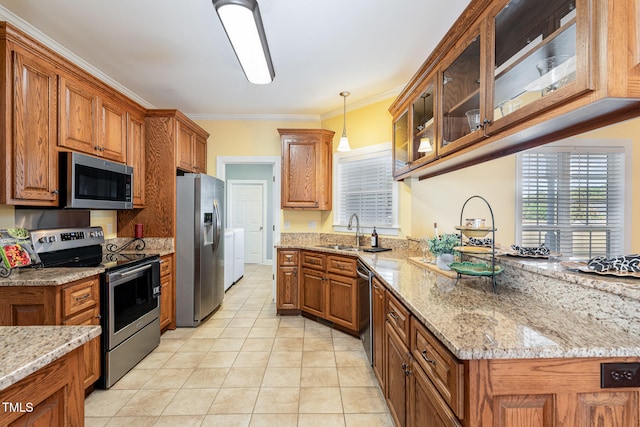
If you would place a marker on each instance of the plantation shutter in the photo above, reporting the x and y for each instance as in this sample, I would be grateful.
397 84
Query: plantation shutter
365 187
573 200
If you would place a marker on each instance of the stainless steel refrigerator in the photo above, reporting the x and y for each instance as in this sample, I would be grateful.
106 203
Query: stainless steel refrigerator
199 247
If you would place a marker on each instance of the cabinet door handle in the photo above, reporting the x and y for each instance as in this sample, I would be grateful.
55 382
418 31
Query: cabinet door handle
82 297
393 315
424 356
55 192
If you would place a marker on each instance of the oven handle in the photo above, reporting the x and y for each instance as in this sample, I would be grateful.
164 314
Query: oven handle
135 270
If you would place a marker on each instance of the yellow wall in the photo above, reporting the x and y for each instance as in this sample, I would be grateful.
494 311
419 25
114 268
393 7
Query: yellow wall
440 199
256 138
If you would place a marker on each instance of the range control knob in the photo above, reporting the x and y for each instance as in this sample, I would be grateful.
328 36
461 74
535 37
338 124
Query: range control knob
43 239
52 239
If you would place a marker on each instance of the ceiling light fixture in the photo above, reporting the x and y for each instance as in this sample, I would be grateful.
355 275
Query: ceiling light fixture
242 23
344 141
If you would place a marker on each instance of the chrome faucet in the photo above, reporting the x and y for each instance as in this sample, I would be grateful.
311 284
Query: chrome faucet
357 228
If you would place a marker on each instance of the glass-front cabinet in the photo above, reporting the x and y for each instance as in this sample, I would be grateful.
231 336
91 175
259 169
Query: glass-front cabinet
516 73
462 114
401 142
424 126
540 56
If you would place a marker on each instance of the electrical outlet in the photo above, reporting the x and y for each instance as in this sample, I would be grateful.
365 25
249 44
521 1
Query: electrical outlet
287 225
614 375
311 224
109 230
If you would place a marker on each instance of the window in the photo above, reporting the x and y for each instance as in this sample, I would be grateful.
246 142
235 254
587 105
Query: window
572 199
364 185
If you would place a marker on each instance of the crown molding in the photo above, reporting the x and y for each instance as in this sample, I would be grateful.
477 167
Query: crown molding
257 117
363 103
21 24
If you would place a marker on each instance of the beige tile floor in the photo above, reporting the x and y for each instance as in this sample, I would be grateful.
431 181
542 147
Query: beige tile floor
245 366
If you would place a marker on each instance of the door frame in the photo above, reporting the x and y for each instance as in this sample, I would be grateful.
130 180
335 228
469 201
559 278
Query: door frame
263 184
276 163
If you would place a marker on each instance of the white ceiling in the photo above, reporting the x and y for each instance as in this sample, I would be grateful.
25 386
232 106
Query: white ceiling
175 54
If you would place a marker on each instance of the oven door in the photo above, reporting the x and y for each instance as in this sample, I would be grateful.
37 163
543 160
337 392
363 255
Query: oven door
132 296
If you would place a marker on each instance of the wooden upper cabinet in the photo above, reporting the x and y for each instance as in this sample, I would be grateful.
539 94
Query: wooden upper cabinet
32 177
200 162
191 150
136 156
113 131
186 147
511 75
91 123
306 168
78 116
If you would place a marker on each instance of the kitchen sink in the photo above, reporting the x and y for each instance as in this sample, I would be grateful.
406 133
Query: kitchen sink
340 247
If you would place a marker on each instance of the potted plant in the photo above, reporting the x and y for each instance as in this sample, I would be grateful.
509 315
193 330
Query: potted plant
442 248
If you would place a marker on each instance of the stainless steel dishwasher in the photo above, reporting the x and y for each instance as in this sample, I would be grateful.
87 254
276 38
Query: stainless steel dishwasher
366 328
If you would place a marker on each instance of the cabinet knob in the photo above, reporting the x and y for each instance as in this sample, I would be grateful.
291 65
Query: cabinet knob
55 192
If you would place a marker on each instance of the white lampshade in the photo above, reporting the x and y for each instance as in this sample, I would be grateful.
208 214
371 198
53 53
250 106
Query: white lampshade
425 145
344 141
344 144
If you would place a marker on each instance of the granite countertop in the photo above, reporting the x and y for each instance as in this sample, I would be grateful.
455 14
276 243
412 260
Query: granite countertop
475 323
25 349
61 275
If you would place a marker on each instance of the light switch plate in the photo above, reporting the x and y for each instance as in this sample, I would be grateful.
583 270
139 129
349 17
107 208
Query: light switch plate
311 224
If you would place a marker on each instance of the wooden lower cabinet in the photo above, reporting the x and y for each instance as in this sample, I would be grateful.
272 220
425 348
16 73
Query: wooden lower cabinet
342 301
425 385
51 396
288 298
75 303
167 294
92 348
426 408
378 315
548 393
326 286
397 376
288 295
312 292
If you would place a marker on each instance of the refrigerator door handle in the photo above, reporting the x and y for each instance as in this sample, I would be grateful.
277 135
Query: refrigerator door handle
218 225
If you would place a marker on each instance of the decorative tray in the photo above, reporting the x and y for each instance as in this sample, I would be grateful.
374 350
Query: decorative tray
474 249
475 269
511 252
582 266
474 231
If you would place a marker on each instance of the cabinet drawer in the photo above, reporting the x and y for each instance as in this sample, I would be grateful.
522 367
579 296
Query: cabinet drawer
443 368
288 258
314 260
165 265
398 317
79 296
88 317
344 266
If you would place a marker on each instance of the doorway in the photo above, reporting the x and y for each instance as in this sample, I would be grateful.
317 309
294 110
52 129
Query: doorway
257 168
247 209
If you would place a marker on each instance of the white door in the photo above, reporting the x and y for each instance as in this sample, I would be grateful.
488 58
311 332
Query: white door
247 212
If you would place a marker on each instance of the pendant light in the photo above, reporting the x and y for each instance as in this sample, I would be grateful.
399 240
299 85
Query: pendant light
243 24
425 142
344 141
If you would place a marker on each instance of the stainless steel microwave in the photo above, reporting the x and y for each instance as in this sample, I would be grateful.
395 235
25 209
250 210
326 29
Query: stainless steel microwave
94 183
